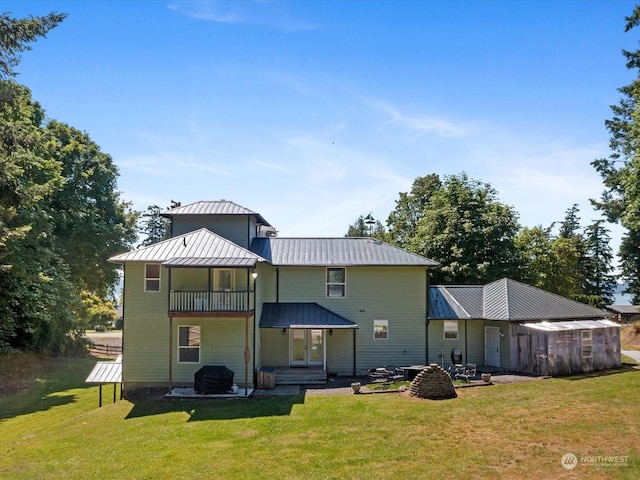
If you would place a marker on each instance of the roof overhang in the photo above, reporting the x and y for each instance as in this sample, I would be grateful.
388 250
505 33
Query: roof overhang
302 315
570 325
210 262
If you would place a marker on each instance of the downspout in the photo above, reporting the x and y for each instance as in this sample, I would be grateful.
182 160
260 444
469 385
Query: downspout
170 354
277 284
170 333
426 328
255 328
354 352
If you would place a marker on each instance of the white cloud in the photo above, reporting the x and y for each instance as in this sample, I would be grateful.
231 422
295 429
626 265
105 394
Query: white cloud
418 124
265 14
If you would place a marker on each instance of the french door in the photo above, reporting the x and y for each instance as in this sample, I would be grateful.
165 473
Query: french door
306 347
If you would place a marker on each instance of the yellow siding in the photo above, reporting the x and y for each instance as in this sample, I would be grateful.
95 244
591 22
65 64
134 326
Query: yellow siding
146 333
396 294
146 329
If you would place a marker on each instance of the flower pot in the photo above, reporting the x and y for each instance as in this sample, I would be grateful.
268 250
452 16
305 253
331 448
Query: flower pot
356 387
486 377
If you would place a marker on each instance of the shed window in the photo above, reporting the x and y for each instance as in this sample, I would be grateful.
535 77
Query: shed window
587 343
188 344
381 329
152 277
450 330
336 282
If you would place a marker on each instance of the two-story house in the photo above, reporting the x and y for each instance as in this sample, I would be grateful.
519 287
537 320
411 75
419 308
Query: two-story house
223 291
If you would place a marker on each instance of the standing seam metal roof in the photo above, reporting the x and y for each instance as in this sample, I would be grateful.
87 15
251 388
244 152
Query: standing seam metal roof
200 246
217 207
342 251
508 300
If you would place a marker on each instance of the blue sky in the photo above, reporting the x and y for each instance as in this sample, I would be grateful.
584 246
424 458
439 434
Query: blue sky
313 113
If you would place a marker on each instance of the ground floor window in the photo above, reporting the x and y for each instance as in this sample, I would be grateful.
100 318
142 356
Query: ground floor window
450 329
586 343
381 329
188 344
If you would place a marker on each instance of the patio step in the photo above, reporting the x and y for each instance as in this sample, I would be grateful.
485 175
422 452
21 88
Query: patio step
300 376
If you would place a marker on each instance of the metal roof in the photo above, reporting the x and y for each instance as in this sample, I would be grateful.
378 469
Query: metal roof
301 315
444 305
217 207
505 299
199 248
343 251
106 372
573 325
624 309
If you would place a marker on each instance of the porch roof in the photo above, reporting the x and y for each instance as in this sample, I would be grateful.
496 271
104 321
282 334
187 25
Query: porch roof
301 315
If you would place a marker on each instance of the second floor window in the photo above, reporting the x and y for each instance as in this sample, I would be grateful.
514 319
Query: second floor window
152 277
336 282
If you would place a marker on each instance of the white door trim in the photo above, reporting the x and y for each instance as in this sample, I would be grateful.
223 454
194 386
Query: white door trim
492 346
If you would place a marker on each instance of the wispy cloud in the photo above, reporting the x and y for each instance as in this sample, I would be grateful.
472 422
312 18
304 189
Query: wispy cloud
272 15
421 124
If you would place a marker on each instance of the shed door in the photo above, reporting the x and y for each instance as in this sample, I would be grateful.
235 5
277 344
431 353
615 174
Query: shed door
492 346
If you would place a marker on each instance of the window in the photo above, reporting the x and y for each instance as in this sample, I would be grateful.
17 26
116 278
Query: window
381 329
188 344
152 277
450 330
336 283
586 343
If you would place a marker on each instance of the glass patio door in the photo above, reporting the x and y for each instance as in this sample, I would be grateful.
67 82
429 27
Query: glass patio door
307 347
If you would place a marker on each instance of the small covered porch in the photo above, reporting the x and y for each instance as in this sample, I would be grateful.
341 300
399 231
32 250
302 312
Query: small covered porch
305 342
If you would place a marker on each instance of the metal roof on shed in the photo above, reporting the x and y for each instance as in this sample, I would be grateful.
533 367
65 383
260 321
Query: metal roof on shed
505 299
215 207
343 251
301 315
571 325
199 248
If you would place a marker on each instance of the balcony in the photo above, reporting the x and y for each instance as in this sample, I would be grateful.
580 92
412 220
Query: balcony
207 303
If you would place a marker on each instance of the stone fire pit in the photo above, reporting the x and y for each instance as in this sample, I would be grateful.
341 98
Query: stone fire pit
433 383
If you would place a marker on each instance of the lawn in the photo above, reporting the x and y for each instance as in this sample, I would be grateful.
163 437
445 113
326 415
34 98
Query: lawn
51 428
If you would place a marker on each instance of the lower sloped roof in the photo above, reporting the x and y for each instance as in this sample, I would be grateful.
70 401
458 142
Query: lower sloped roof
505 299
301 315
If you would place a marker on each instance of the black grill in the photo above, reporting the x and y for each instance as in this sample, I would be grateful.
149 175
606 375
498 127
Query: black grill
213 379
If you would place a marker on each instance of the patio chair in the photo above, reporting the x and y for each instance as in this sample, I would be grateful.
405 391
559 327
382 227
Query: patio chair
379 376
394 373
467 372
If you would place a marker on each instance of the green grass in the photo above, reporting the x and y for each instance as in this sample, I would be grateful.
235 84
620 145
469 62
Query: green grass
53 429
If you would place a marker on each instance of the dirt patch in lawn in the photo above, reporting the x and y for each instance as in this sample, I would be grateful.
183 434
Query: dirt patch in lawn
19 370
630 338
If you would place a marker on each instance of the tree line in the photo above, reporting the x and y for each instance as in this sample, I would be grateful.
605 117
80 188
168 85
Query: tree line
61 216
461 223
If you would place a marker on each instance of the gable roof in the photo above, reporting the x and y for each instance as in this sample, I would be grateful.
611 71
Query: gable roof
214 207
342 251
301 315
198 248
505 299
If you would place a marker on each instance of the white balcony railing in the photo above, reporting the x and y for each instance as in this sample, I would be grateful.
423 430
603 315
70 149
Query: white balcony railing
228 301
